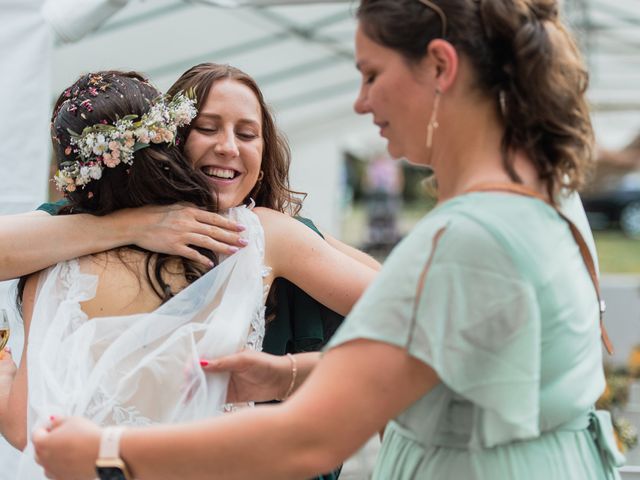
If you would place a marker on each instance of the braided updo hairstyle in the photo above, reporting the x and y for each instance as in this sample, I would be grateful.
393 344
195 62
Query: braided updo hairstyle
523 57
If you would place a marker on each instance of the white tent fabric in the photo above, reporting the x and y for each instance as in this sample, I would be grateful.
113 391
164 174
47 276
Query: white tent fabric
25 58
25 86
73 19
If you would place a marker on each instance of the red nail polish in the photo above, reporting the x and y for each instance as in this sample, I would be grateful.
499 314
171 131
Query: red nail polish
204 363
52 418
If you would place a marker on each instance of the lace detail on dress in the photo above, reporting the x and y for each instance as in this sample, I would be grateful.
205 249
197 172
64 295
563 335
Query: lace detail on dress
76 287
69 271
255 231
129 416
117 414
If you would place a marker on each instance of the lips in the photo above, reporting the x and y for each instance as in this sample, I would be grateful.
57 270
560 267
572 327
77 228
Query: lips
381 125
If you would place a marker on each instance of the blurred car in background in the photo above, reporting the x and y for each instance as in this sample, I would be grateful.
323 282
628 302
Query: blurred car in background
616 205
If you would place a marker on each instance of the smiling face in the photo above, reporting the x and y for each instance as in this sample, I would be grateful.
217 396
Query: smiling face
226 143
394 93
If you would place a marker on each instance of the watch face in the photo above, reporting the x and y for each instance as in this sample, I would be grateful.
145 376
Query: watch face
111 473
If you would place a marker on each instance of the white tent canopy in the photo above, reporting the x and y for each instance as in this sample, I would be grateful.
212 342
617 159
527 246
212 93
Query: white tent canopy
302 56
301 53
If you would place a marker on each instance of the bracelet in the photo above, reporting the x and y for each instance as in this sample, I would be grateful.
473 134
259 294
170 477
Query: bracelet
294 374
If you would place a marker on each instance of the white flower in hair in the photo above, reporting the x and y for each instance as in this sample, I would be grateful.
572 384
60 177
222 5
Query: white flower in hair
100 146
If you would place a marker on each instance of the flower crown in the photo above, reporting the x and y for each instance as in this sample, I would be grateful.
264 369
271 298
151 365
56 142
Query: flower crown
106 146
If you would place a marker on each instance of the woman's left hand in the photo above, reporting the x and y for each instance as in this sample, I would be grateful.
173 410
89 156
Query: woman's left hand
68 449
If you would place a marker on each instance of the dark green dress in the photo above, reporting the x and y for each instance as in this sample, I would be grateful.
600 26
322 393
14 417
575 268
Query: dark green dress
298 322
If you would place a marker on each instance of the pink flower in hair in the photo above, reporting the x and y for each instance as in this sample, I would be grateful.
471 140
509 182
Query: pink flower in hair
110 161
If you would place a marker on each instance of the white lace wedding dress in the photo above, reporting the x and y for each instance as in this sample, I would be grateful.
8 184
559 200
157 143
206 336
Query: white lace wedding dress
141 369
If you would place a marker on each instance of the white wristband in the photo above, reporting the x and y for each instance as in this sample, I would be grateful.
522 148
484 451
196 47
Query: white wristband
110 442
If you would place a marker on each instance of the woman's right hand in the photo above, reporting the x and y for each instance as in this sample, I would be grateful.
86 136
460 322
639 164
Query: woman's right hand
176 229
255 376
8 371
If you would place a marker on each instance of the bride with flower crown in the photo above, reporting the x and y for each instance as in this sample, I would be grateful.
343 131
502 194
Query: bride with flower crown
118 336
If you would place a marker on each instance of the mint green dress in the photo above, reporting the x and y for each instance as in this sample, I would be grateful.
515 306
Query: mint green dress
508 318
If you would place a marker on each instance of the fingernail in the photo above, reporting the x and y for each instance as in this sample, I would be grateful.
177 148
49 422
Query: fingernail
52 418
241 228
243 241
233 249
211 264
204 363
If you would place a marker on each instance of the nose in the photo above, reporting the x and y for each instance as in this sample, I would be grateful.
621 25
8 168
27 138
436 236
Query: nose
361 105
226 145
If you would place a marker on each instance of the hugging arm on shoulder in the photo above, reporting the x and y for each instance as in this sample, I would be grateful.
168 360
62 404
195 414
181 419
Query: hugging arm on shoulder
32 241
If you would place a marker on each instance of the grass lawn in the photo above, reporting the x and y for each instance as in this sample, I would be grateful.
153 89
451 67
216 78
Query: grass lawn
617 253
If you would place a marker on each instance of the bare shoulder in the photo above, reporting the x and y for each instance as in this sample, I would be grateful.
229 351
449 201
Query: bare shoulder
276 224
269 215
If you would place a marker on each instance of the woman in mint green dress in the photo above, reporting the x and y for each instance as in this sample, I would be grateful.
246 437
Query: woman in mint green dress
478 345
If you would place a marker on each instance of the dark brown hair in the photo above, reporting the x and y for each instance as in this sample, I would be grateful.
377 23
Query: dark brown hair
522 53
159 174
273 190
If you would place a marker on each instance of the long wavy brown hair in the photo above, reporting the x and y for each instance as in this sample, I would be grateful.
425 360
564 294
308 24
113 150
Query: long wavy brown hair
524 58
273 190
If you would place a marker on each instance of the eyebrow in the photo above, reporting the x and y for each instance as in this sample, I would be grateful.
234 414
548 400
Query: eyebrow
215 116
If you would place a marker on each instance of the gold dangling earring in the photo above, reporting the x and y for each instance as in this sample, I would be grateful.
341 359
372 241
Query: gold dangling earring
433 123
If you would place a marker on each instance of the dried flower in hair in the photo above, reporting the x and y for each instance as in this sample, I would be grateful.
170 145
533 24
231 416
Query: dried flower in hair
86 104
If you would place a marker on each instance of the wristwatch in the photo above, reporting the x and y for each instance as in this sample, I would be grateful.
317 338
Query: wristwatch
109 465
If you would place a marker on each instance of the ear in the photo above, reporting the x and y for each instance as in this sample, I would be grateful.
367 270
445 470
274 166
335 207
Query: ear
443 57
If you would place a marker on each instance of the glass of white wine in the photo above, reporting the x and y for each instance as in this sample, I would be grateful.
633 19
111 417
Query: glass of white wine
4 329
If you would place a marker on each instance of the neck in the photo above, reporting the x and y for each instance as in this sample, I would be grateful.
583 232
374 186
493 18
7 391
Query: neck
468 153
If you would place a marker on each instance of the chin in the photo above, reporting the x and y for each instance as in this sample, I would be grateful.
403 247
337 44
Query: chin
421 157
394 150
225 204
